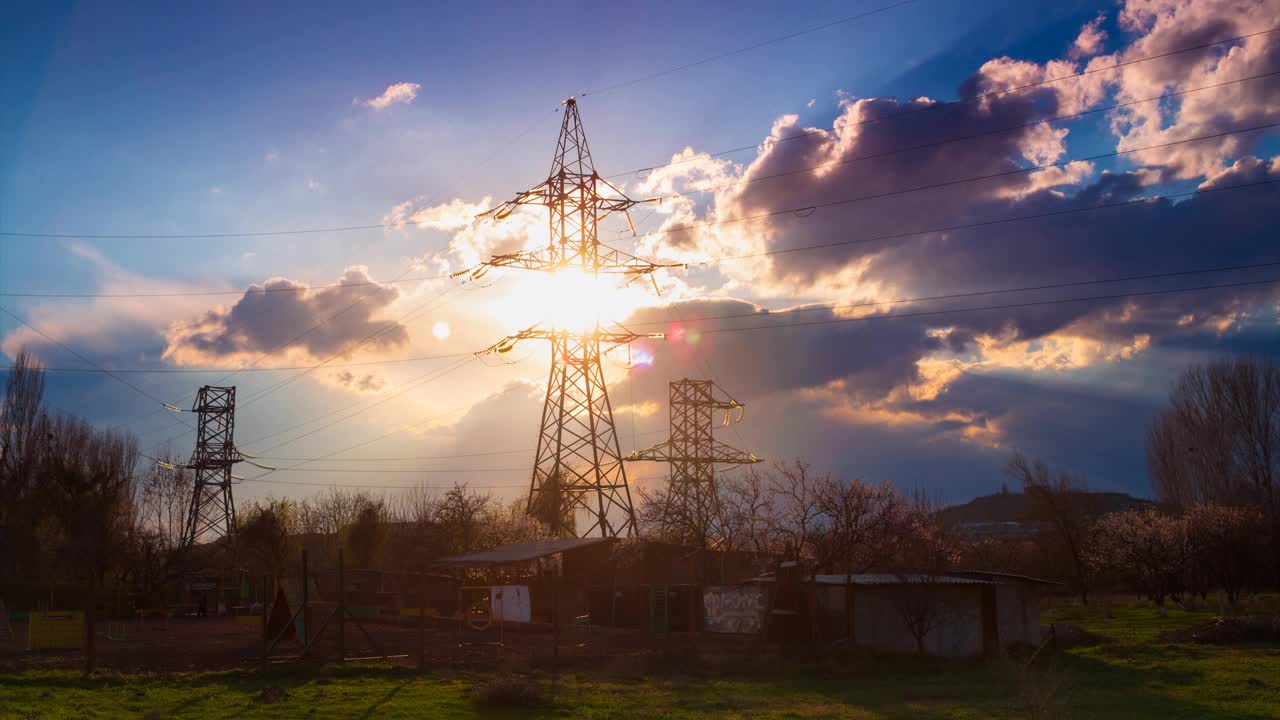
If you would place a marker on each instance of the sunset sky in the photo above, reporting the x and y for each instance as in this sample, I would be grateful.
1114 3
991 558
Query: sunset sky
917 175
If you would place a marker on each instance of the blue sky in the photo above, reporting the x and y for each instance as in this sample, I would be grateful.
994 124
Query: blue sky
242 118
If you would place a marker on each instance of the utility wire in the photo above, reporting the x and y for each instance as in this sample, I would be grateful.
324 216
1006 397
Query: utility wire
699 190
383 401
744 49
417 487
767 143
261 356
281 368
111 374
962 101
1133 202
976 293
949 183
1036 303
413 314
963 138
489 453
216 293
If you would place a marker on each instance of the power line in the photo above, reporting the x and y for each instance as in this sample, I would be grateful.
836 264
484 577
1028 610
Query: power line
469 486
216 293
976 293
412 386
767 143
700 190
399 322
152 371
1133 202
324 321
401 471
949 183
975 98
963 138
952 311
491 453
744 49
111 374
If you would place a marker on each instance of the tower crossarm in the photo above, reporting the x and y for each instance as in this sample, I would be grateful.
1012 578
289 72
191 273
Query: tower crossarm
604 337
609 261
720 453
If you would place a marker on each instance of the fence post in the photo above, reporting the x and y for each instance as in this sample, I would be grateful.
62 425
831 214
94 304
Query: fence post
306 621
342 611
422 622
555 628
266 607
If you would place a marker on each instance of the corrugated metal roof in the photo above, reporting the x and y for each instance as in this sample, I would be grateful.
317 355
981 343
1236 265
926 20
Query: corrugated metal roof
1010 576
895 579
522 552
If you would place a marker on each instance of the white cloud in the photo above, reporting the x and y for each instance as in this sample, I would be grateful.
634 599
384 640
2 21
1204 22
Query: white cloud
401 92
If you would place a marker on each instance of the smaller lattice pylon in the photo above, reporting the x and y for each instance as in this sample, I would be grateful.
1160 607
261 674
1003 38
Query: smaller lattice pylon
692 450
213 510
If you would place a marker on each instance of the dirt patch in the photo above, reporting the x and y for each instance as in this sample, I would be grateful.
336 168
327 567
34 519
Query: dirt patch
1226 631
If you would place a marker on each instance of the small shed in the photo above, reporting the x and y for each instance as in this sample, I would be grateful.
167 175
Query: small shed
524 565
953 616
1018 599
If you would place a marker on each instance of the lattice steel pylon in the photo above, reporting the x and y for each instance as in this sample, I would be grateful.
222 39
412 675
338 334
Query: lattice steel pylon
213 510
692 450
578 465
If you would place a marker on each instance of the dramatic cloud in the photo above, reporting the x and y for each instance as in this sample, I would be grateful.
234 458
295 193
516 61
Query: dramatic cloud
875 192
980 199
273 314
398 93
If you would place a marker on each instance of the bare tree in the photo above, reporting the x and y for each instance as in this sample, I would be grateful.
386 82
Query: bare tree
862 526
461 514
21 446
747 511
1219 440
795 513
1062 502
925 552
681 512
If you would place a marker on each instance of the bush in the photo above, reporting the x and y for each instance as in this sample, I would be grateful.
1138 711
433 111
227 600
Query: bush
509 691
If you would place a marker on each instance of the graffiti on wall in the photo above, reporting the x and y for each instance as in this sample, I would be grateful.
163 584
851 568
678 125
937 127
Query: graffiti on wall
733 609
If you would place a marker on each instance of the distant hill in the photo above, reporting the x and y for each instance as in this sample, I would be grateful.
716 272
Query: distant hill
1017 507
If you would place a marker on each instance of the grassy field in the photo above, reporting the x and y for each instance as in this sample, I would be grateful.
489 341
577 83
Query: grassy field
1129 674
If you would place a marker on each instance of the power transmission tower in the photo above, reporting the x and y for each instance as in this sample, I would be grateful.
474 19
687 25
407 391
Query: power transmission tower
213 510
692 450
579 465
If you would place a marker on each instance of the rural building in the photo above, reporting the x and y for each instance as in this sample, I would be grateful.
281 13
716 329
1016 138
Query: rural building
967 614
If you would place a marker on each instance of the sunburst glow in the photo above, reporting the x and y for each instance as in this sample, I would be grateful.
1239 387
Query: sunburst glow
571 299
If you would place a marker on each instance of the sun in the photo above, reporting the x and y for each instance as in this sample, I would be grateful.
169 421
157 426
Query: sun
571 299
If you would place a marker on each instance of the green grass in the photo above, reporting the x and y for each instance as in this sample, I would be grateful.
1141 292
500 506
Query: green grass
1130 674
